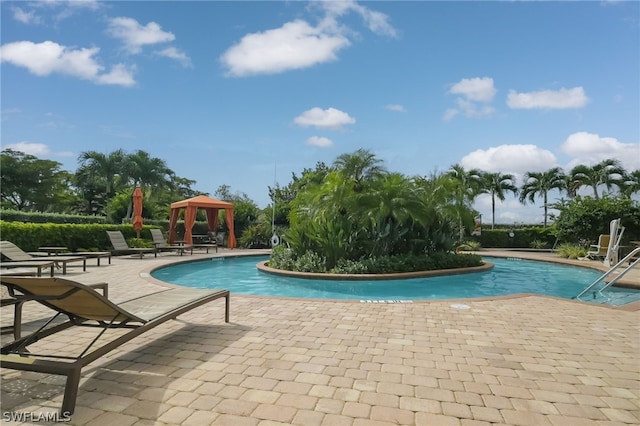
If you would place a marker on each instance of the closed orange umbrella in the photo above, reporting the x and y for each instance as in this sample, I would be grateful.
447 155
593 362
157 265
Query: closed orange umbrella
137 211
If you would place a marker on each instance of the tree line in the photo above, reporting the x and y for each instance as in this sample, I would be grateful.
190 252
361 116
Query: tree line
103 184
607 177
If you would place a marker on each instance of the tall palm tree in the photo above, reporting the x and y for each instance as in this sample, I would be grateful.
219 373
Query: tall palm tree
360 166
104 166
607 172
496 184
540 183
146 172
466 185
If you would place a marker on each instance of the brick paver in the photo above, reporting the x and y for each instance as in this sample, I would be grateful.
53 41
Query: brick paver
530 360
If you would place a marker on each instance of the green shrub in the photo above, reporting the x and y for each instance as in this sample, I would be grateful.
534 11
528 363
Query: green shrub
39 217
76 237
255 236
585 218
522 236
283 258
139 243
537 244
470 246
346 266
571 251
310 262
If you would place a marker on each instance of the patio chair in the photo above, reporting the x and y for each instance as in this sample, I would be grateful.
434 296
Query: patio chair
161 244
599 250
120 245
16 254
84 306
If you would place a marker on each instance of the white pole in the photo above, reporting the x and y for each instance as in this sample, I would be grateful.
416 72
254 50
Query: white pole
273 215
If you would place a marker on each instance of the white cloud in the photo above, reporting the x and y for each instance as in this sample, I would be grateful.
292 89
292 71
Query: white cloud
25 17
472 109
120 75
589 149
329 118
514 159
449 114
177 54
474 94
548 99
28 12
135 36
49 57
475 89
319 141
395 107
36 149
376 22
39 150
295 45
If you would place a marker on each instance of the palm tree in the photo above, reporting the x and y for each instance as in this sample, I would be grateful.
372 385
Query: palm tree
540 183
103 166
360 166
497 184
607 172
391 208
467 185
146 172
632 183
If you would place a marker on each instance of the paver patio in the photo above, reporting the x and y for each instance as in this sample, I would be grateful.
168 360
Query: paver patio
516 360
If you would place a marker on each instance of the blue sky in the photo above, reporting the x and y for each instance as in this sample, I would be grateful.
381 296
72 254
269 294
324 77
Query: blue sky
228 92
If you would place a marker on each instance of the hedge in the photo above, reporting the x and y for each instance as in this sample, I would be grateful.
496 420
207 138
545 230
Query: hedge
522 237
39 217
78 237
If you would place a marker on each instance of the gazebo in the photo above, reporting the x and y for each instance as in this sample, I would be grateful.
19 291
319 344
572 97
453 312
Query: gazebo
191 205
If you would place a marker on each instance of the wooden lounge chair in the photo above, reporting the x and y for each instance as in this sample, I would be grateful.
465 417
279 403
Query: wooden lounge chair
15 253
161 244
84 306
120 245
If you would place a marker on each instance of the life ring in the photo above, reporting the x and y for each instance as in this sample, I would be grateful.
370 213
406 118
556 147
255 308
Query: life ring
275 240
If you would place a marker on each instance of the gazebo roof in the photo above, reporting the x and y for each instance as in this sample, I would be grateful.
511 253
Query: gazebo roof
202 201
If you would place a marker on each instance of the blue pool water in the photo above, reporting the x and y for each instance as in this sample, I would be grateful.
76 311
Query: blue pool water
509 276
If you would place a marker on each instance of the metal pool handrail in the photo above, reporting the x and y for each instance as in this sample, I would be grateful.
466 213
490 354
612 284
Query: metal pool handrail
610 271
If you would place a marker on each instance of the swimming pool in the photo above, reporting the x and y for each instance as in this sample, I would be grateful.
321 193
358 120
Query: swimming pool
509 276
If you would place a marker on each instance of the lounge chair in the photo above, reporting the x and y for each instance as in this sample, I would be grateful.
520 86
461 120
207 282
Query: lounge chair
30 267
89 255
16 254
161 244
210 243
120 245
84 306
